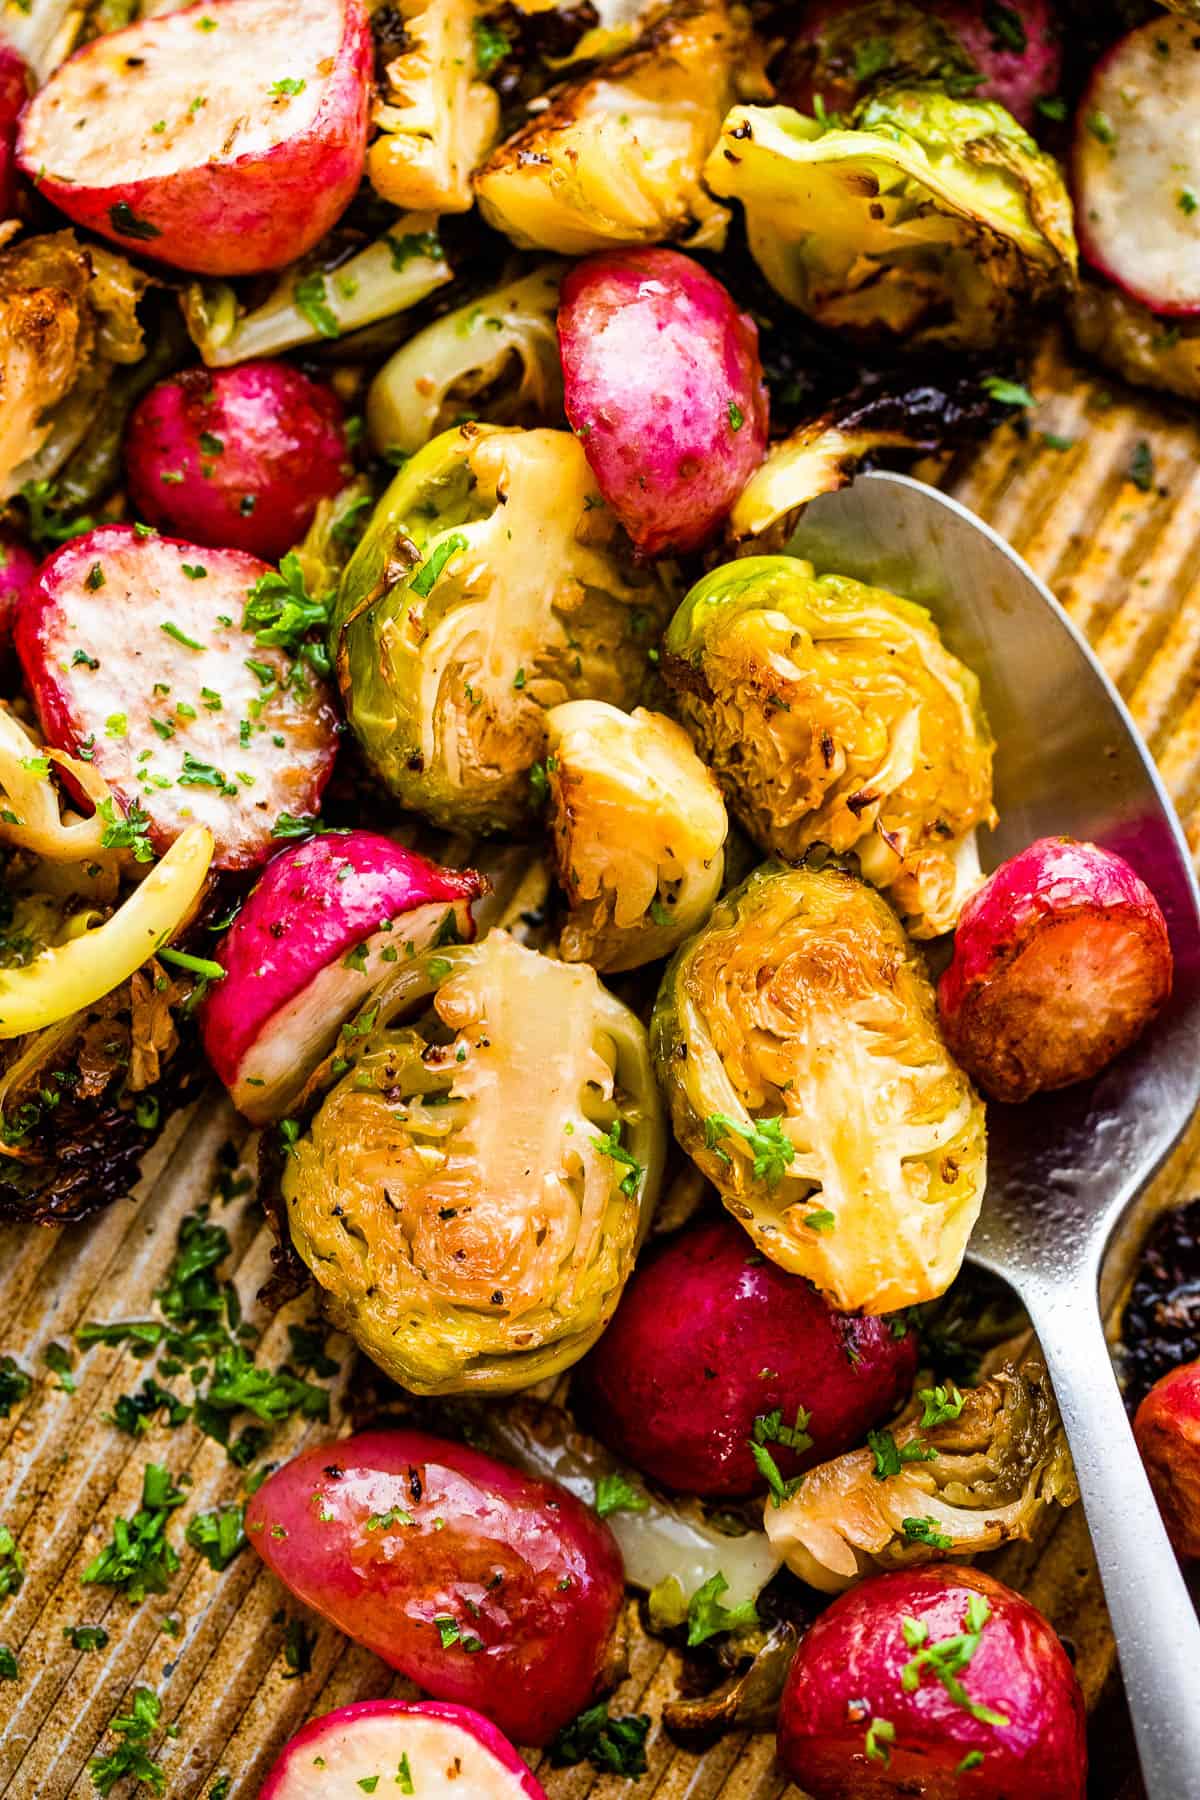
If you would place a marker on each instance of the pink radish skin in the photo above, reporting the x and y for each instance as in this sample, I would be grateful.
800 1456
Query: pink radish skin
243 176
708 1337
447 1753
287 989
258 447
1167 1429
126 661
15 88
664 386
848 1672
387 1531
18 571
1136 166
1060 961
1018 79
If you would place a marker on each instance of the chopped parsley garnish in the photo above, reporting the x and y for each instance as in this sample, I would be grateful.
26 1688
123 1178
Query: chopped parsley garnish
124 220
139 1560
881 1735
413 244
1101 128
769 1428
925 1531
614 1746
821 1220
448 1630
940 1404
891 1457
1141 467
135 1414
403 1776
201 774
218 1535
492 45
947 1660
972 1760
116 725
871 58
612 1146
770 1145
737 417
46 522
94 578
195 571
128 832
12 1564
1007 29
204 966
706 1616
1007 393
395 1515
1053 107
312 303
287 825
422 581
615 1494
289 87
10 1669
81 660
85 1637
282 613
298 1643
59 1360
15 1384
181 637
131 1757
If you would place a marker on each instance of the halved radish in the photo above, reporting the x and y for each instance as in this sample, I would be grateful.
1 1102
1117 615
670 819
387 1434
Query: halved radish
18 567
1060 960
422 1747
134 653
226 138
1136 166
323 924
15 85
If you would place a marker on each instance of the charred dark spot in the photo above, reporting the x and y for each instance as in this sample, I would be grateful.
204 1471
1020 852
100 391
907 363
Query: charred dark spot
827 749
414 1483
334 1471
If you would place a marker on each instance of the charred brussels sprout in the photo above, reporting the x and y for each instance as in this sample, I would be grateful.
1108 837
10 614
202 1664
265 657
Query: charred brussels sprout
928 219
797 1039
832 714
977 1478
436 118
616 157
473 1192
491 584
639 831
499 352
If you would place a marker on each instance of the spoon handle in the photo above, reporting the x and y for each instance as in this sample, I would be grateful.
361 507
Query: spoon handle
1154 1622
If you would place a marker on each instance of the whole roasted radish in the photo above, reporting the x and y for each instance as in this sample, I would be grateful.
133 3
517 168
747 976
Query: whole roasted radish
400 1747
1167 1429
937 1681
1136 166
719 1367
136 657
226 138
664 388
1060 960
325 921
237 458
15 86
485 1586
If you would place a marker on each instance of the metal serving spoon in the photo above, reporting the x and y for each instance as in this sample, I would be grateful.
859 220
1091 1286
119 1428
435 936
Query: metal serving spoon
1064 1167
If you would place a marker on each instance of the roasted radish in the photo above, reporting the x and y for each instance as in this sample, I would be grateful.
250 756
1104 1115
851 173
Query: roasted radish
664 387
1137 166
226 138
1060 960
324 922
14 92
721 1372
1167 1429
403 1747
483 1585
135 655
18 567
936 1681
237 458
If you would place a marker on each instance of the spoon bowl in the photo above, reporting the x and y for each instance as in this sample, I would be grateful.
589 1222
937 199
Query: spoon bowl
1063 1168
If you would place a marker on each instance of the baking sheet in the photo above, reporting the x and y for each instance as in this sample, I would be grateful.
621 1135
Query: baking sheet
1126 564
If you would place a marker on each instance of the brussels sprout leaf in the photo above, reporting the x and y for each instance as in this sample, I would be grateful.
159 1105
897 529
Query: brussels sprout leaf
706 1615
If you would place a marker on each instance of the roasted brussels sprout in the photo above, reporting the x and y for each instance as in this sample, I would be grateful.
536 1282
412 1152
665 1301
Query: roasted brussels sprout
1140 346
832 714
436 118
971 1482
927 219
616 157
491 584
472 1193
796 1037
500 349
639 828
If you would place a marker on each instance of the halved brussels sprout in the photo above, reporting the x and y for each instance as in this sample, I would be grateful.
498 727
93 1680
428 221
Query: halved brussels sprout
491 584
639 832
616 157
473 1192
832 713
932 219
500 348
797 1039
976 1480
436 118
